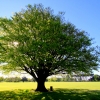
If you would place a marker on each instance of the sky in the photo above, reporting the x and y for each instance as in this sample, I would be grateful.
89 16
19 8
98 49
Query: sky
84 14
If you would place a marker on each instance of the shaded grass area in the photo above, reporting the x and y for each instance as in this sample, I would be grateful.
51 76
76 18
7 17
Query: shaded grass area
58 94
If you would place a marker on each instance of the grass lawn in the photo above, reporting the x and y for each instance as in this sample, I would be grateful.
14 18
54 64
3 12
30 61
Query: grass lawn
62 91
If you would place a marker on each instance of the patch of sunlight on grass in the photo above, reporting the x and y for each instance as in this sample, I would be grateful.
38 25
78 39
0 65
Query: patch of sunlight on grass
62 85
17 85
75 85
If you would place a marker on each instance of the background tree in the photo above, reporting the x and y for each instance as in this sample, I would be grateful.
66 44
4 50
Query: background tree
42 44
24 79
95 78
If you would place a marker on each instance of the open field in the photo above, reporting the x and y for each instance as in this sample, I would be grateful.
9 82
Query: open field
62 85
62 91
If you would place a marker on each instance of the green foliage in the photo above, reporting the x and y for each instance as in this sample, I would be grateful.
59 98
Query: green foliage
95 78
15 79
42 44
24 79
63 79
1 79
53 79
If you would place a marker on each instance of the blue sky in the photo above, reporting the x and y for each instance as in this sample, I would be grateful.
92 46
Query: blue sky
84 14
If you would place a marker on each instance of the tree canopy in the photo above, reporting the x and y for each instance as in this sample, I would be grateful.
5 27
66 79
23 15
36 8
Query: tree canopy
42 44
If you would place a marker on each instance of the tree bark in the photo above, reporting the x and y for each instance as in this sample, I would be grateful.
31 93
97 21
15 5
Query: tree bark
41 85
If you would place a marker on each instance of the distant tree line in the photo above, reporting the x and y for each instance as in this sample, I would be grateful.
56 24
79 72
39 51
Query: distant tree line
64 78
95 78
16 79
77 78
25 79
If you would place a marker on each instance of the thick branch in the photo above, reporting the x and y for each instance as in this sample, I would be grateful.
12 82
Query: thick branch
30 71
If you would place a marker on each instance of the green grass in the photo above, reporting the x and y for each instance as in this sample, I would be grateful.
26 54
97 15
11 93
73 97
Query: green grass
62 85
62 91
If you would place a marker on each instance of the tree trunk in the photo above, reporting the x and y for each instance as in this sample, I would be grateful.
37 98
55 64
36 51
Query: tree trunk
41 85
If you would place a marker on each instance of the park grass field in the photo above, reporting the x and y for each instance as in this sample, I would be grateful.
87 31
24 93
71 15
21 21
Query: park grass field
62 91
56 85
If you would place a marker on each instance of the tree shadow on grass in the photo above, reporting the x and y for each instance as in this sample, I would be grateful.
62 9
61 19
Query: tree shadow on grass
70 94
58 94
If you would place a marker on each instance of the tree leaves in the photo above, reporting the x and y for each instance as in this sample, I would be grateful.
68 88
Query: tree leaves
36 39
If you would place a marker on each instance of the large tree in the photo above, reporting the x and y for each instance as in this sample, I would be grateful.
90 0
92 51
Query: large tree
42 44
